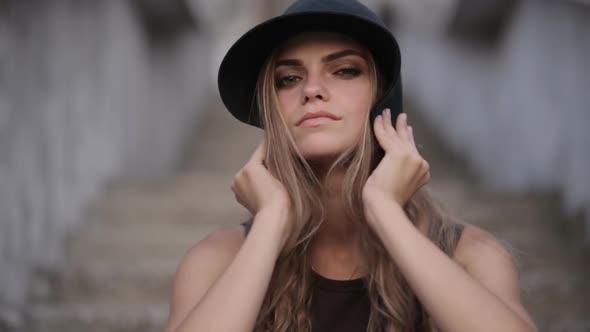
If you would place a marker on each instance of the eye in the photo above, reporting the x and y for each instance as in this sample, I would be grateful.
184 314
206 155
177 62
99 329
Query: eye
348 72
286 81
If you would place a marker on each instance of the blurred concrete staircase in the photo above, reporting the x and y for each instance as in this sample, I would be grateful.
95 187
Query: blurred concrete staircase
120 266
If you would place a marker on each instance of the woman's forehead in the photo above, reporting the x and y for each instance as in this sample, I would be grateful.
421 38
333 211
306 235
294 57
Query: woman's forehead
318 41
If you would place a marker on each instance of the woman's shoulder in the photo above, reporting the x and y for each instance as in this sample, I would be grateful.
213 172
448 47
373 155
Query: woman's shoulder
208 258
202 264
220 244
213 253
491 264
476 244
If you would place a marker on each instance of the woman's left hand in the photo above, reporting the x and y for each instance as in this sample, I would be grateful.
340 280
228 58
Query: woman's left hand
402 171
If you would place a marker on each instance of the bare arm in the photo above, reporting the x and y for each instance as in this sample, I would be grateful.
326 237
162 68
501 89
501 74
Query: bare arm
204 299
482 297
210 295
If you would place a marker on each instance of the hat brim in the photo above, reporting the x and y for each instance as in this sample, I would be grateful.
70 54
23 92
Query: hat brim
240 67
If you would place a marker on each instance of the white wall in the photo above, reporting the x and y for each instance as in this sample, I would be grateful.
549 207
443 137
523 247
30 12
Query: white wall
519 111
84 97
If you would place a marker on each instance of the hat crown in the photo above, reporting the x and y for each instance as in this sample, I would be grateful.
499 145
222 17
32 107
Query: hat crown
348 7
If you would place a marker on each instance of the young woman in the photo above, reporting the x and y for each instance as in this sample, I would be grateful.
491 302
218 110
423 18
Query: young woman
343 235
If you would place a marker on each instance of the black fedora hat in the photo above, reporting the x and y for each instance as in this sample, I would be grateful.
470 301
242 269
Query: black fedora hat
239 68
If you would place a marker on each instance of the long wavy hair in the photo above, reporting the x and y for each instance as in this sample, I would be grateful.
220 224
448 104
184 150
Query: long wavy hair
286 306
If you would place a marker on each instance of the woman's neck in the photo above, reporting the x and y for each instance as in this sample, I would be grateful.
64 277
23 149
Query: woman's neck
335 248
337 228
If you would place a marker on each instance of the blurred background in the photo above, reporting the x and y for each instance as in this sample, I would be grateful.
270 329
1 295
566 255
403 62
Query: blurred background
116 154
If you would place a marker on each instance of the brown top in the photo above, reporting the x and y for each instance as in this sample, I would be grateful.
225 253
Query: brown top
339 305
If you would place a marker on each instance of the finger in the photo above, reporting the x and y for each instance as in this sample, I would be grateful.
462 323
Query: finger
426 166
387 123
260 153
425 179
380 133
426 172
401 126
411 136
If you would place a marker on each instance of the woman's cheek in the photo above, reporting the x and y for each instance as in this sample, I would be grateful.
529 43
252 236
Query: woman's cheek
286 103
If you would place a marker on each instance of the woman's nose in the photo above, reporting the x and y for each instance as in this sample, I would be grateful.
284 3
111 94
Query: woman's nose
314 88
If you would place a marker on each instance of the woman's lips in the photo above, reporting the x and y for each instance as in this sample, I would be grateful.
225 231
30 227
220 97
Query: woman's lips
316 121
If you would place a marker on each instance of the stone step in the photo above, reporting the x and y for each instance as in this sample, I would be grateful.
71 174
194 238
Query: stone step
106 263
187 198
127 242
93 317
220 125
145 281
223 156
224 143
137 235
104 268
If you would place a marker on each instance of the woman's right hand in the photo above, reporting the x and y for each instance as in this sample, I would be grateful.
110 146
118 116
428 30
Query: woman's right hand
256 188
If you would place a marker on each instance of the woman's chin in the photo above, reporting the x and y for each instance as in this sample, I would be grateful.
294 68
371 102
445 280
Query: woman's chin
321 153
320 157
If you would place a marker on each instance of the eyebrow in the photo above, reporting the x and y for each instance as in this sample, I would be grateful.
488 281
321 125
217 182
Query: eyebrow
327 58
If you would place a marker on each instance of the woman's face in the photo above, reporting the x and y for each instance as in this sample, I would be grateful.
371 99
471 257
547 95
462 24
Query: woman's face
324 92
